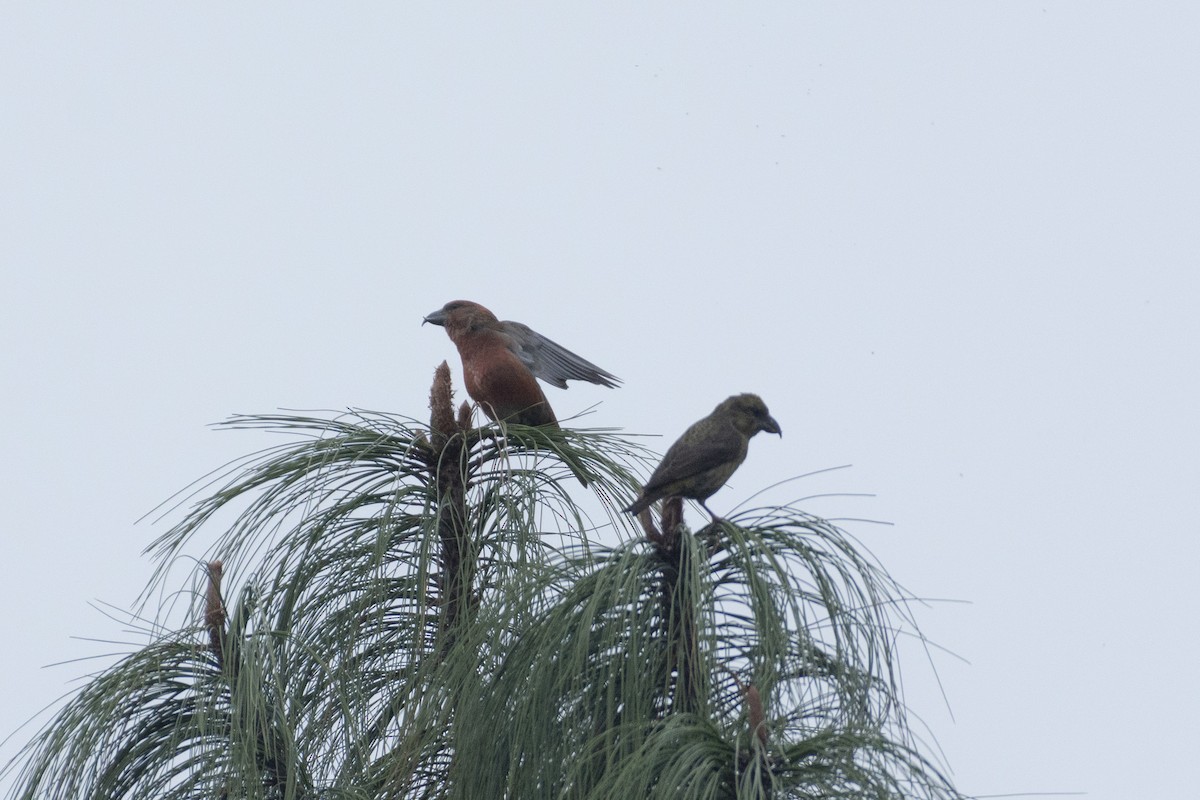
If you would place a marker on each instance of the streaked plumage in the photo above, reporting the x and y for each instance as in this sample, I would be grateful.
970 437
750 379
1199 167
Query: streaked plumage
708 453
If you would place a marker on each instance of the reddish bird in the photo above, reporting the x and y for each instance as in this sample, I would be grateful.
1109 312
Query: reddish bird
502 360
708 453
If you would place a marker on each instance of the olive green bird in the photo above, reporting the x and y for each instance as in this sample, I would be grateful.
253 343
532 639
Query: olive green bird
708 453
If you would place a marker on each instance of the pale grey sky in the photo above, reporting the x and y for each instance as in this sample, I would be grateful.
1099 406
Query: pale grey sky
952 244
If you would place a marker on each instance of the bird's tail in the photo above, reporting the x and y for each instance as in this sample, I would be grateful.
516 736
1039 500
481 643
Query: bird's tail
639 505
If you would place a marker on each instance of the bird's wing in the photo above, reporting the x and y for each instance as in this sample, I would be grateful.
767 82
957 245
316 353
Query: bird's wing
550 361
704 446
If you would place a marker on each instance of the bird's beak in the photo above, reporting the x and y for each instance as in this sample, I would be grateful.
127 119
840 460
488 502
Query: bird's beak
436 318
771 426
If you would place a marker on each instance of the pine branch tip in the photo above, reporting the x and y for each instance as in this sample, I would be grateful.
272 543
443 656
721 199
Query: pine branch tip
441 396
214 610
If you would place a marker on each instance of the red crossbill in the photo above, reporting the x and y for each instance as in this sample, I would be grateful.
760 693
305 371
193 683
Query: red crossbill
501 361
708 453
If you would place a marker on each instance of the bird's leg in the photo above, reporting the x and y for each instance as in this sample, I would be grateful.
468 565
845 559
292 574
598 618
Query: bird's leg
710 533
715 518
488 433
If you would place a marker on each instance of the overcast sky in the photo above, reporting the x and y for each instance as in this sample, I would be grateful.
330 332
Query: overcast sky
954 245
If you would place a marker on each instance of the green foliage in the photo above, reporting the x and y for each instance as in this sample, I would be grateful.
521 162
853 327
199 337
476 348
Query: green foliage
428 612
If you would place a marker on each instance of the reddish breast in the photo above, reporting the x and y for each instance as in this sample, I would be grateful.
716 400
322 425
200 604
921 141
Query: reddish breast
502 385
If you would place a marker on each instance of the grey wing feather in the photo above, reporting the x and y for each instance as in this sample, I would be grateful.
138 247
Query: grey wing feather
552 362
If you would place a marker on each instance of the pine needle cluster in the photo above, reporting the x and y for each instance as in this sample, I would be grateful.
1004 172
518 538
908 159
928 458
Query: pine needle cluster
397 609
